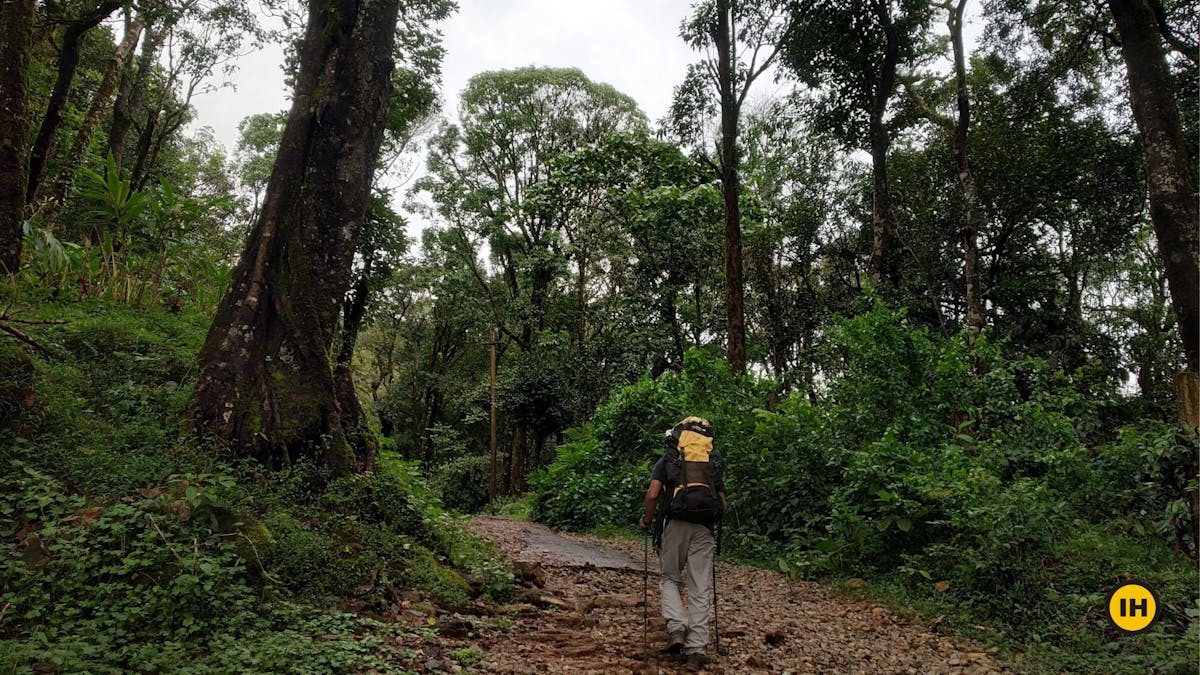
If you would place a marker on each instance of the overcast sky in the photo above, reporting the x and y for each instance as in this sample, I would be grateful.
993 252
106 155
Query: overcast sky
631 44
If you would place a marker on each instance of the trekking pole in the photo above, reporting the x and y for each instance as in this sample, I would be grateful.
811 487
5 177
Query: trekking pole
716 623
645 594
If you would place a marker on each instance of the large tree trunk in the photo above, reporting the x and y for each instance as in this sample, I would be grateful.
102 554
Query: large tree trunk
16 40
267 388
68 62
884 269
100 101
1172 186
735 315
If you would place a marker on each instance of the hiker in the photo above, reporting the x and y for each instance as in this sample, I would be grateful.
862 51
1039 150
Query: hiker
684 503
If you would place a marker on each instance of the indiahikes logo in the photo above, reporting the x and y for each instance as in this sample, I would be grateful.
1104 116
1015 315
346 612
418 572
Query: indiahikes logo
1133 607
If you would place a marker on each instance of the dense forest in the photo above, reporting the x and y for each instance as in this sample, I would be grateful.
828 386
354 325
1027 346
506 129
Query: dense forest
935 281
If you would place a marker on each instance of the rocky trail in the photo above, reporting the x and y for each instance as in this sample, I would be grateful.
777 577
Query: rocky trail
581 612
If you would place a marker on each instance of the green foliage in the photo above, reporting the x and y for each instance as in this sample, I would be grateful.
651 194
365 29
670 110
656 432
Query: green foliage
137 568
16 381
463 482
123 544
601 472
586 486
468 656
107 411
535 391
520 508
915 470
140 246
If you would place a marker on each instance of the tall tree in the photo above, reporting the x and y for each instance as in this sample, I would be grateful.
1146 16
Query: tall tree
267 388
735 29
513 123
791 202
633 207
959 127
76 21
1172 186
160 19
849 53
16 36
197 39
100 103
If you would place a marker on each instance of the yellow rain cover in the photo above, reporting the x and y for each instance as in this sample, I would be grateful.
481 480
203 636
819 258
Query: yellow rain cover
694 447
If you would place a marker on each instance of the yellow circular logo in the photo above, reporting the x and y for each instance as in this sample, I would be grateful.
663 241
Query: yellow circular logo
1132 607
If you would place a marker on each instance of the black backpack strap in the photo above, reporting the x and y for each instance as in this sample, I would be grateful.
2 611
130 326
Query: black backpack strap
660 518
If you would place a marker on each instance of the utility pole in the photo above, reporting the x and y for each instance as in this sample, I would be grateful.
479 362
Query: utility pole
492 476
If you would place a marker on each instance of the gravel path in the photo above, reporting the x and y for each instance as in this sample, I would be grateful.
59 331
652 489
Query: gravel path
581 612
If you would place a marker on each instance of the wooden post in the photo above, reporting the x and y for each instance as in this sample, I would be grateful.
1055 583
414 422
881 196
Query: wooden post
492 476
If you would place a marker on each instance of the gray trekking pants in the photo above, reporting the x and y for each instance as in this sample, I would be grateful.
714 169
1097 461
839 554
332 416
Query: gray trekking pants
690 546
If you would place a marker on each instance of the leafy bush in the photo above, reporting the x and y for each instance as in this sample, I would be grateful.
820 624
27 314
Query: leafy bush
463 482
585 487
125 544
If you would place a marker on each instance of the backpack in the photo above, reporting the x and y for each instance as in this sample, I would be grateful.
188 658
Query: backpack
694 470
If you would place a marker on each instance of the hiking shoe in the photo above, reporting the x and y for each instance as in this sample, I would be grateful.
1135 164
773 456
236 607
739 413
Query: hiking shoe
697 661
675 640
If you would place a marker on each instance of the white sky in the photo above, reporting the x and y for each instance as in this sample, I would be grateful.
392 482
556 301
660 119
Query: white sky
631 44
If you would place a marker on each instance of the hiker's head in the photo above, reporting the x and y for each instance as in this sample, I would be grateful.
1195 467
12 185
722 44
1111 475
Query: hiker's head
691 423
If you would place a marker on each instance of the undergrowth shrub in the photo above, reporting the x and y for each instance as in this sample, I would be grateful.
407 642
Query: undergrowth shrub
87 579
462 482
125 544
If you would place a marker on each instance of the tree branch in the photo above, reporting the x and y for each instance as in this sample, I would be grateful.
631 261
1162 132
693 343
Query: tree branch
909 83
1177 43
483 284
33 344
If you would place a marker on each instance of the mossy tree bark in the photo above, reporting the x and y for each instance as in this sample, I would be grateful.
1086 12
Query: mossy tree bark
267 387
16 38
1172 186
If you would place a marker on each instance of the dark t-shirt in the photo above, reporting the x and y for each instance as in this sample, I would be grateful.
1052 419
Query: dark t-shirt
660 473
